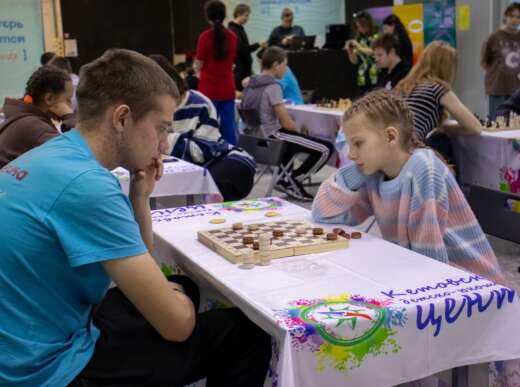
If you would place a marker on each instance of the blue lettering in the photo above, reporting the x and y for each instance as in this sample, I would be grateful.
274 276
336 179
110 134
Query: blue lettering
430 319
450 305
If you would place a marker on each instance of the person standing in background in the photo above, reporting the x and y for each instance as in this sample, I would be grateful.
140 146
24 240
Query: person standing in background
393 25
216 51
501 60
243 60
282 35
360 52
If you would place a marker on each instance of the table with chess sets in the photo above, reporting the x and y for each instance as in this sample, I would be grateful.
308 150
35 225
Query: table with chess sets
259 243
339 105
501 123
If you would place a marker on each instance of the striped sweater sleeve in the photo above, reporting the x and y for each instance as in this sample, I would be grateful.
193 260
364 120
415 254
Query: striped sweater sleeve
343 198
442 225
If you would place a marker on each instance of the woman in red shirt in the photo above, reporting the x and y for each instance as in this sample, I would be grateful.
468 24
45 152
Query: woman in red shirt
216 51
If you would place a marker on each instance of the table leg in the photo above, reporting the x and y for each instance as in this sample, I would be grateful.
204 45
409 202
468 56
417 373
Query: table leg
459 377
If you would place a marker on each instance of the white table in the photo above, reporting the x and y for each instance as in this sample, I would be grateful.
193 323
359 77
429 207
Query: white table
374 314
320 122
180 178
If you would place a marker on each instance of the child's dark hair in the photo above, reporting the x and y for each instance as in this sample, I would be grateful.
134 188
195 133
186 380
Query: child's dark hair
171 71
47 79
387 42
393 20
271 56
216 13
390 109
46 57
61 62
121 76
512 7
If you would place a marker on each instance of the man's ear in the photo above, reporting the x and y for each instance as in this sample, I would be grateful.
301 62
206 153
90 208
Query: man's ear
120 117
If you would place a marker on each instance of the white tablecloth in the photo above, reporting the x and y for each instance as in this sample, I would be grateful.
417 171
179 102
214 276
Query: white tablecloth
179 178
374 314
491 160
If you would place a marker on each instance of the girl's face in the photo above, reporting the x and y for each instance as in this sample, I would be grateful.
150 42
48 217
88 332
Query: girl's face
388 29
361 28
369 147
512 20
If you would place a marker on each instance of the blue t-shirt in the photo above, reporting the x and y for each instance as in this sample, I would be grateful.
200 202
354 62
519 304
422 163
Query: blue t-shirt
291 88
62 213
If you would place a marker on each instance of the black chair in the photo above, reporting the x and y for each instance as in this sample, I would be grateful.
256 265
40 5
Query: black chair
266 151
307 96
493 211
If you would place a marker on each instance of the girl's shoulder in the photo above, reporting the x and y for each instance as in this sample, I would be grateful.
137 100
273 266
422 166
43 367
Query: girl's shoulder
426 167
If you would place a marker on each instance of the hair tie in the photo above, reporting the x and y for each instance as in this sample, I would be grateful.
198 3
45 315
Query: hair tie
27 99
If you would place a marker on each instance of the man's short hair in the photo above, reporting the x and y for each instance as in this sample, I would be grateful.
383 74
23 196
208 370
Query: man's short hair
240 9
287 12
387 42
121 76
511 7
271 56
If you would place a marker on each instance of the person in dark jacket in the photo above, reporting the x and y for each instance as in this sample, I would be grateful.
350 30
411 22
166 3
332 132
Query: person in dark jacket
29 121
243 60
282 35
512 105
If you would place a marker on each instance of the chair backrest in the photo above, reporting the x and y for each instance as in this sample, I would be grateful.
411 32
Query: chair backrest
267 151
307 96
489 206
251 117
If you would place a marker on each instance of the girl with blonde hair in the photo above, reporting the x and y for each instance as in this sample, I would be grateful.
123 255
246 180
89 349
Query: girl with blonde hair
429 94
413 195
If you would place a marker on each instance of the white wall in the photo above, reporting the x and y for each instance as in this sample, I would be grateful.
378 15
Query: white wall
21 44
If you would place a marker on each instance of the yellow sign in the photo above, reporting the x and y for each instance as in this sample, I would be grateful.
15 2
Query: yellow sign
464 17
412 18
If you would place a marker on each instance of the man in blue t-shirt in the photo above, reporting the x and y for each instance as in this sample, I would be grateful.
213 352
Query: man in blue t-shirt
291 88
67 231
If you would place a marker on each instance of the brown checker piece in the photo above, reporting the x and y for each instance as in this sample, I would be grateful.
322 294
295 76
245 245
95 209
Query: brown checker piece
228 242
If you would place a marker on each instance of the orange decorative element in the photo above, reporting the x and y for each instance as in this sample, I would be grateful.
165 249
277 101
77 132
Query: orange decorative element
28 100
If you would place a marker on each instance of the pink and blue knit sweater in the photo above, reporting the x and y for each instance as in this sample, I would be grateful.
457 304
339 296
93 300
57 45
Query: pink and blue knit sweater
422 209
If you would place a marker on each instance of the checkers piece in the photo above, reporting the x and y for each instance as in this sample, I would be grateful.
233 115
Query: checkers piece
271 214
277 233
331 236
300 230
237 226
317 231
341 232
356 235
248 239
256 246
252 227
217 221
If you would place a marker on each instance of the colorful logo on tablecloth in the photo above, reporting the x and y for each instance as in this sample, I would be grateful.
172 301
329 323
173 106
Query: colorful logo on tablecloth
509 180
253 205
342 331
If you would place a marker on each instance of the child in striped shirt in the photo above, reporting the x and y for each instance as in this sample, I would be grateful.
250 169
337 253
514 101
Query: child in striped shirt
412 194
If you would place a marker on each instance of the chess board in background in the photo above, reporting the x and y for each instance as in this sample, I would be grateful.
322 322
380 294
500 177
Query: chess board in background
229 243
